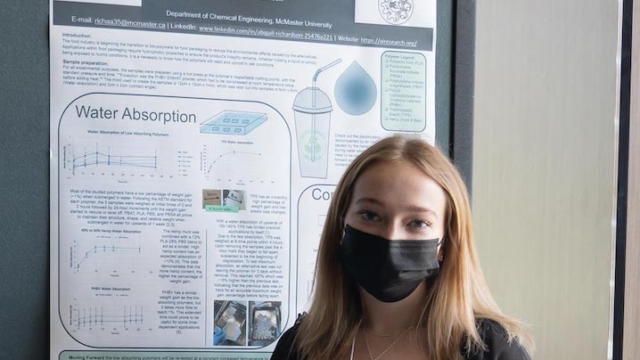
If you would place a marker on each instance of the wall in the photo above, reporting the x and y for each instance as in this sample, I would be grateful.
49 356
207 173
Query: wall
632 280
24 180
543 173
24 167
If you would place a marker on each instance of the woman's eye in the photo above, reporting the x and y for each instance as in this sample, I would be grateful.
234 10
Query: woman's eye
420 223
368 215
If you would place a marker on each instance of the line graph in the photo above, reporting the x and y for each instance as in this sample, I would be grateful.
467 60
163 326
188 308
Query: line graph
99 317
113 255
103 156
122 159
237 154
227 165
77 261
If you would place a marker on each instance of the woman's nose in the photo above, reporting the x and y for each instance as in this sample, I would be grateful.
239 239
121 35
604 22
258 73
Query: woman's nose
393 231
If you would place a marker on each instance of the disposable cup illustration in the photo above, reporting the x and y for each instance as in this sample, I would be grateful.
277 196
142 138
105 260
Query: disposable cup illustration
312 109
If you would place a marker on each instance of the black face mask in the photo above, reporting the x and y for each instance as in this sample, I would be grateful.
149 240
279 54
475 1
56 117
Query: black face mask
390 270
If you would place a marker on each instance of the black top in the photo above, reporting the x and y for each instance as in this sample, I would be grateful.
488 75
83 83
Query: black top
492 333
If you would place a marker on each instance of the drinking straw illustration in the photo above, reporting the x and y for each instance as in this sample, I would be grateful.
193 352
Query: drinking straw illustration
313 113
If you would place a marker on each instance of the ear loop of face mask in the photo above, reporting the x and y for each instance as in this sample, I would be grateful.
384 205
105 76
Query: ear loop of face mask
441 251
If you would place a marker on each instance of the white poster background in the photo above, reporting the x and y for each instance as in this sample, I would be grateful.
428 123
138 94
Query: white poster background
171 228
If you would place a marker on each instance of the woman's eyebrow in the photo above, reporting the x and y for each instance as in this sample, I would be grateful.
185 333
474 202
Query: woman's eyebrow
369 200
420 209
408 208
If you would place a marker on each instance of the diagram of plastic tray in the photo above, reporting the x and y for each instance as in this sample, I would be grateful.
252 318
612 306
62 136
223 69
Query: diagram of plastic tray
230 122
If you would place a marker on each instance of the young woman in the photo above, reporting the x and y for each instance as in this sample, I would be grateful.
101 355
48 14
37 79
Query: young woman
397 273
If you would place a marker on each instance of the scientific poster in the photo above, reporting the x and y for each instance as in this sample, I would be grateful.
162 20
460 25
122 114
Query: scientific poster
195 146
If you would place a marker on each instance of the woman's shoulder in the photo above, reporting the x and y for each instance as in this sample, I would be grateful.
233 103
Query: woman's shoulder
498 344
285 347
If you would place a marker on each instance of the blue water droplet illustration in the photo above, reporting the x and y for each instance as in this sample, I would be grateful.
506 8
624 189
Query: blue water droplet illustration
355 90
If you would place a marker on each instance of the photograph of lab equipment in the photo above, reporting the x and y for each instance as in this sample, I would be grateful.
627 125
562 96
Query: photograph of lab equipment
211 197
230 323
264 322
233 198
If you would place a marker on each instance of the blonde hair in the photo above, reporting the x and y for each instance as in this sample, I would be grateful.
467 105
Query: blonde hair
457 296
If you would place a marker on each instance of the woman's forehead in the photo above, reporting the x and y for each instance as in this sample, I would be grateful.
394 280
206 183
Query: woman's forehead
398 182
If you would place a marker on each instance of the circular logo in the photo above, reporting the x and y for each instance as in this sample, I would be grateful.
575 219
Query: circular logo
395 12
